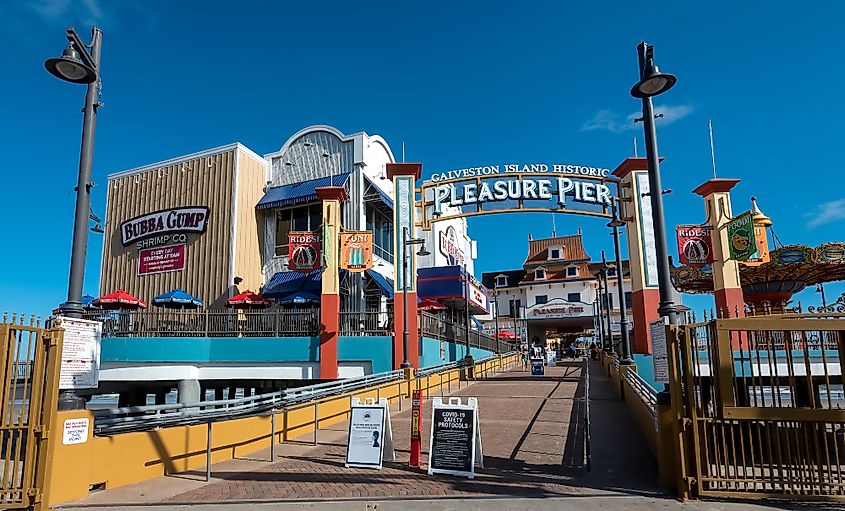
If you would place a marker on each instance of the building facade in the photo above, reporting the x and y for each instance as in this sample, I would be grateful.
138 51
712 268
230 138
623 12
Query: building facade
554 296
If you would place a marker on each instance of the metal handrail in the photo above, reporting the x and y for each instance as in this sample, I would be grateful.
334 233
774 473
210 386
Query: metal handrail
587 437
643 390
133 418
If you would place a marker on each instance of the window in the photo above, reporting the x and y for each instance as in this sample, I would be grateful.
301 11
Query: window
629 300
304 218
541 299
572 271
539 274
611 272
382 227
501 281
554 253
515 306
573 297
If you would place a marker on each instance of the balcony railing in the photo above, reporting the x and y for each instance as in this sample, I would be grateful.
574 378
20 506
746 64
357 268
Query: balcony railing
438 328
366 323
209 323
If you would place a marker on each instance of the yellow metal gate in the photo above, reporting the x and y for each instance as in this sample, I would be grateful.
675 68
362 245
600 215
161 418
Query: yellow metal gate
760 406
29 368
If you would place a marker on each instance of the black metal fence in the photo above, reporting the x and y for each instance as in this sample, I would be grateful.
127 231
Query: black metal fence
438 328
209 323
360 323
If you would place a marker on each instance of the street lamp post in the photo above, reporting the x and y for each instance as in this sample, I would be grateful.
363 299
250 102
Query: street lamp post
80 65
496 312
608 305
652 83
422 252
616 223
602 341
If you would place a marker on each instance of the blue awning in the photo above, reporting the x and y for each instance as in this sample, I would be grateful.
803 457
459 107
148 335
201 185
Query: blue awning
384 283
298 193
286 283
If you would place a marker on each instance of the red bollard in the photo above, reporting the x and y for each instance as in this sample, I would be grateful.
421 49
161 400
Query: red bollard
416 426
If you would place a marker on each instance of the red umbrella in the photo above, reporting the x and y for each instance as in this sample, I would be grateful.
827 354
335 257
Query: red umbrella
509 336
427 304
247 300
119 300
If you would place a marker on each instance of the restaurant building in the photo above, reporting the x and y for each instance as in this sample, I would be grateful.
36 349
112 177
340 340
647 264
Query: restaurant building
216 223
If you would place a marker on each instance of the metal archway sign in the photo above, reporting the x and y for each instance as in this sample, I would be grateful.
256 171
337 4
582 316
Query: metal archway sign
516 188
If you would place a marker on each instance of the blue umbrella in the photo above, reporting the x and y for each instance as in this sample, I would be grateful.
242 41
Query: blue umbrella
177 299
300 297
88 302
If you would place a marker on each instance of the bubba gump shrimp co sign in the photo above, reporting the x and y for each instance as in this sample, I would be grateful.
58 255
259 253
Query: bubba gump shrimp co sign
186 220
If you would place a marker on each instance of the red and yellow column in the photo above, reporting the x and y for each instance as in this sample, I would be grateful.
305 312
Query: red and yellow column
404 176
727 289
636 212
332 197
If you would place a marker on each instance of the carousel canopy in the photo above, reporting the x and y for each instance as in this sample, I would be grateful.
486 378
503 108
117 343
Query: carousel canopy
791 269
177 299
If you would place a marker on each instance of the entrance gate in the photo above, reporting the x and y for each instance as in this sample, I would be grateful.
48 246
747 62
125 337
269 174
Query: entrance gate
758 407
29 381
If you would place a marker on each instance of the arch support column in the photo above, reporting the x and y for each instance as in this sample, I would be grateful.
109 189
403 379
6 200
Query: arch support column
332 197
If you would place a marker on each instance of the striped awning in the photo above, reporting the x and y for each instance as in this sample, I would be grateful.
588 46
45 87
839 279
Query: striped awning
298 193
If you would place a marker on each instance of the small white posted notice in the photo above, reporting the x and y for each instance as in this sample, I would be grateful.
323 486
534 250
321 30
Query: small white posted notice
80 353
659 353
75 432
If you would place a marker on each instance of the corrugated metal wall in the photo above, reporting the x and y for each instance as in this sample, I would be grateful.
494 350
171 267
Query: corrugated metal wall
249 231
204 181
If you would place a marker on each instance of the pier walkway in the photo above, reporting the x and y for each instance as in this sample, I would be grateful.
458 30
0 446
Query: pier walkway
533 439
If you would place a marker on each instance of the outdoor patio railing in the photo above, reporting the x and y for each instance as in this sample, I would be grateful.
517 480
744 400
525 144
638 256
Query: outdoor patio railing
209 323
359 323
439 328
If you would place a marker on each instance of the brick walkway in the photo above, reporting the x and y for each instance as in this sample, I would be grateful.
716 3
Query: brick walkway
532 433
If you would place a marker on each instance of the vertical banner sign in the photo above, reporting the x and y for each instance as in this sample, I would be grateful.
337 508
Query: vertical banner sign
641 187
455 442
403 217
416 426
80 367
331 212
304 251
761 256
659 352
356 250
695 246
370 434
741 237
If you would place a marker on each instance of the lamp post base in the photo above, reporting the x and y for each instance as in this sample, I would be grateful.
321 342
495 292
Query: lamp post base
405 365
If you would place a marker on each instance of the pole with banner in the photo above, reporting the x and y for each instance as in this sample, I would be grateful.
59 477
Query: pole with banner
416 426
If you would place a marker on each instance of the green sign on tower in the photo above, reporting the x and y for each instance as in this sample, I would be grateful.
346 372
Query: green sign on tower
741 237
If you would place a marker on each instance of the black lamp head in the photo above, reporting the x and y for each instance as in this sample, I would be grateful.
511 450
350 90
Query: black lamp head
70 68
653 82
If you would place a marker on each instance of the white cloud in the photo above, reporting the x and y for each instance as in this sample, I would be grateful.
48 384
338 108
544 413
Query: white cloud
86 11
826 213
609 120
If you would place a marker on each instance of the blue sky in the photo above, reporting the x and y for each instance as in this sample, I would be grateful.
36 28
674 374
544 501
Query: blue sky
461 83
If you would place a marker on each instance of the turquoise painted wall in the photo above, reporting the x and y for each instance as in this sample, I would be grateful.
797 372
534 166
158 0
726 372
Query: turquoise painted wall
377 349
210 349
453 352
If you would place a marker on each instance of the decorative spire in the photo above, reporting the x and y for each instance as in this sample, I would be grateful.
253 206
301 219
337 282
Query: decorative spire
758 216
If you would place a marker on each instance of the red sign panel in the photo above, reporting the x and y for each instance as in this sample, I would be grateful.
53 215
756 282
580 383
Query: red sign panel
695 247
160 260
304 251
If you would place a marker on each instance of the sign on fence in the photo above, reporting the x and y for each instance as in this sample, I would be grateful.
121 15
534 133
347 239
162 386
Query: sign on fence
659 353
80 367
370 434
455 442
75 431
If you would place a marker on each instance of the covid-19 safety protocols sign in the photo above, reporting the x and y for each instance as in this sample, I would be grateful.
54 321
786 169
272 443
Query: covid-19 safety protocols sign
455 442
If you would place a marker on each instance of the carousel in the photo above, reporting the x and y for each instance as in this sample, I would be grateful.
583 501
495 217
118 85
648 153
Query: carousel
768 288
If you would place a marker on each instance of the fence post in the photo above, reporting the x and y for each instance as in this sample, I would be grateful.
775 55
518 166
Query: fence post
272 436
316 420
208 454
205 313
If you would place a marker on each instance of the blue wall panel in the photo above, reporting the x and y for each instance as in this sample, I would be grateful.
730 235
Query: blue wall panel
210 349
431 355
375 348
